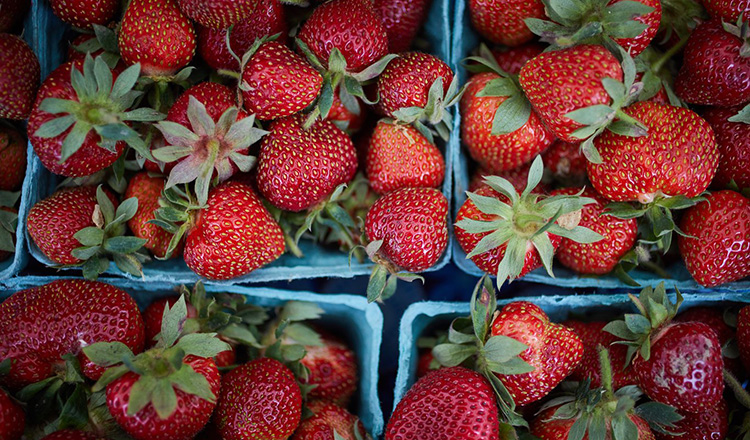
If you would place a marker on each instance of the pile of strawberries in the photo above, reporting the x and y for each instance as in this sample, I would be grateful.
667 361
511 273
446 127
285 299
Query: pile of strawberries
88 365
511 373
639 113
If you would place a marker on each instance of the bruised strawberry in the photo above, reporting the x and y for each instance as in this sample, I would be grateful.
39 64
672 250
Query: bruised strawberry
566 162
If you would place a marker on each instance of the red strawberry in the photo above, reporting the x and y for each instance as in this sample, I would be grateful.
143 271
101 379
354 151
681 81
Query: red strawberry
399 156
85 13
708 425
217 98
219 14
743 335
333 368
733 141
424 364
566 162
546 427
157 34
562 81
714 318
250 393
716 249
406 81
72 434
153 314
715 66
19 77
447 404
147 190
12 159
268 18
12 418
59 318
13 13
678 156
727 10
277 82
74 54
349 120
592 335
402 19
298 168
512 59
328 418
502 21
554 350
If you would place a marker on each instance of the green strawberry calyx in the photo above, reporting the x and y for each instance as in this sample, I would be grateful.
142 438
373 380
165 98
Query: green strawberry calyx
435 112
161 369
100 106
655 77
742 116
525 223
107 240
208 148
176 214
8 220
106 40
679 18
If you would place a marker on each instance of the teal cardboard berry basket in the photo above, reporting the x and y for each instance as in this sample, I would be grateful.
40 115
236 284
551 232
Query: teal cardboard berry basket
317 262
359 323
464 40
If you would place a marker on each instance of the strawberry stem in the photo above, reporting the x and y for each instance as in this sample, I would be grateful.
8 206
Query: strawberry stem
656 66
740 393
606 371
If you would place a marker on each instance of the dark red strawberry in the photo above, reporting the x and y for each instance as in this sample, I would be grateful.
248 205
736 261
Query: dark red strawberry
62 317
566 162
743 336
716 66
447 404
328 419
708 425
424 364
592 335
733 142
546 426
714 318
72 434
157 34
152 316
147 190
716 249
219 14
512 59
402 19
12 418
333 369
85 13
19 77
13 13
406 81
727 10
251 392
12 159
502 21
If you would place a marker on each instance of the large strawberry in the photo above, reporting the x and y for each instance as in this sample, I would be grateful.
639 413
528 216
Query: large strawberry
329 422
716 247
716 65
78 131
402 19
19 77
592 335
727 10
251 392
158 35
85 13
12 418
503 21
707 425
219 14
60 318
719 321
333 371
13 13
447 404
399 156
12 159
733 142
147 190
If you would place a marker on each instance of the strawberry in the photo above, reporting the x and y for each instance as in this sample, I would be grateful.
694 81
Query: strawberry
329 422
502 21
60 318
85 13
158 35
277 82
451 403
8 223
399 156
677 363
715 319
716 65
592 335
333 371
518 177
512 59
716 247
12 418
566 163
424 363
402 19
251 392
743 335
219 14
12 15
268 18
12 158
347 119
708 425
19 77
152 316
733 142
147 190
300 167
727 10
72 434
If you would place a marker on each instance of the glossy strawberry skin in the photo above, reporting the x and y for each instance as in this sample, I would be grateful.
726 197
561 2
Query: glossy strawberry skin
714 318
406 81
13 13
85 13
500 152
328 418
90 158
351 26
333 368
592 335
713 71
299 168
72 434
399 156
727 10
43 323
720 251
19 77
711 424
677 156
566 163
402 19
268 18
12 159
191 415
652 19
448 404
554 350
252 392
219 14
685 367
512 59
279 82
233 235
12 418
562 81
743 336
733 141
147 190
412 222
502 21
545 427
157 34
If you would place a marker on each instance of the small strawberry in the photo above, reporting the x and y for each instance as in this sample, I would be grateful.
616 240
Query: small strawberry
512 59
447 404
219 14
566 162
592 335
72 434
402 19
503 21
158 35
333 371
12 418
12 15
733 142
85 13
716 247
716 65
277 82
12 159
727 10
329 422
707 425
147 190
349 119
251 392
399 156
19 77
